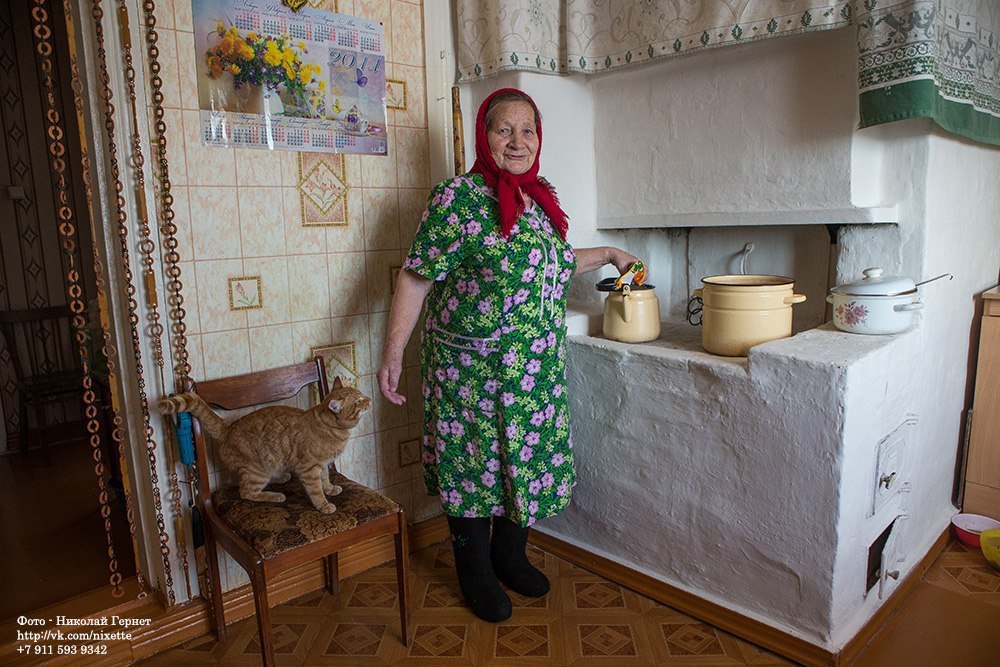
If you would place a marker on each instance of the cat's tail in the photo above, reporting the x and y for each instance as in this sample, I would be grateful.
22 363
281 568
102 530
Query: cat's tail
213 424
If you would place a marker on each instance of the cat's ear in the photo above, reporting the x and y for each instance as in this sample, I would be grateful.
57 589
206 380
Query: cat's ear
337 384
335 406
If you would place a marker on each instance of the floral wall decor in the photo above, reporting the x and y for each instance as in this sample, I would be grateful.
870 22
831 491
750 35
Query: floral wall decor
322 189
278 78
339 359
395 94
245 293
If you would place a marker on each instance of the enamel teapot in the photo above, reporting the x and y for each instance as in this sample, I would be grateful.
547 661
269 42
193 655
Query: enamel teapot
631 312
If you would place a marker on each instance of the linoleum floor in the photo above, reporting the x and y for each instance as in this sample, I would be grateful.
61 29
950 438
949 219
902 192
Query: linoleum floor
951 620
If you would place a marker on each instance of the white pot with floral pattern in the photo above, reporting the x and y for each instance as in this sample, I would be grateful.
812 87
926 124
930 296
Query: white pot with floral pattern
876 304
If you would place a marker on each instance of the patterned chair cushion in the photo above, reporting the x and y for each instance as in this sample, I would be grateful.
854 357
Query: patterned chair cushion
272 528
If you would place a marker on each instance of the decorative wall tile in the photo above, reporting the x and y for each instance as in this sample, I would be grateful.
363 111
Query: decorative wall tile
245 292
395 94
340 359
323 188
349 280
213 214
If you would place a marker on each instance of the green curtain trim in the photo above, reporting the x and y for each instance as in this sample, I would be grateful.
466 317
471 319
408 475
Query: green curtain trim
921 99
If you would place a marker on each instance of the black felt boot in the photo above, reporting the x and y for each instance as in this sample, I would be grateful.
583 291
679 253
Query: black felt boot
511 563
470 540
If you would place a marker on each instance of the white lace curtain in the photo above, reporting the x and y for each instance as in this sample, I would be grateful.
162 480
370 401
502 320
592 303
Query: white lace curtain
935 58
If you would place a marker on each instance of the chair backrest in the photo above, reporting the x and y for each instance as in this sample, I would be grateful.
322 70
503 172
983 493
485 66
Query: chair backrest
243 391
40 341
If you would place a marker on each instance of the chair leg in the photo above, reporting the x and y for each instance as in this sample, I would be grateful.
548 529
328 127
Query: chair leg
332 573
215 581
403 577
259 583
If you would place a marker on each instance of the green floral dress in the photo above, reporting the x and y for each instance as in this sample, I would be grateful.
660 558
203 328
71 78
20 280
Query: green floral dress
496 419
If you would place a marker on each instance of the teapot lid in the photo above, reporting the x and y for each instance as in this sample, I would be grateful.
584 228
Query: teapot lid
876 284
608 285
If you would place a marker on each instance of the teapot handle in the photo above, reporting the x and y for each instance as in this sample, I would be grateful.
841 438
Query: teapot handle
626 304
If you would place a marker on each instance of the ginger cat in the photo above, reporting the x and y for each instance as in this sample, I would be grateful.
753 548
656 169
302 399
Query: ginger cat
272 443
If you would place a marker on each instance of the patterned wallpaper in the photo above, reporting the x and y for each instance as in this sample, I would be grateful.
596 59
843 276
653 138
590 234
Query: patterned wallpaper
285 254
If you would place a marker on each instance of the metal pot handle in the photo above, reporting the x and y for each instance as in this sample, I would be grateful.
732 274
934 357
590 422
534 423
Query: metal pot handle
915 305
694 308
795 298
626 305
829 298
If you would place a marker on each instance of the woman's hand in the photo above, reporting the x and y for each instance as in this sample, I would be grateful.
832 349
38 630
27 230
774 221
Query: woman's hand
388 378
591 259
622 260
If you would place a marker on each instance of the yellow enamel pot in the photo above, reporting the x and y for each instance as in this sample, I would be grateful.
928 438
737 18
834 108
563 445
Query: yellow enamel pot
740 311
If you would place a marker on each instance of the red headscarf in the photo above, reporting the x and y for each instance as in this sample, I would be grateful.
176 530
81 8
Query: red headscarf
510 186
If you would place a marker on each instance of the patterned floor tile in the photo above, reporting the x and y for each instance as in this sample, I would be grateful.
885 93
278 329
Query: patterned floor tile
584 620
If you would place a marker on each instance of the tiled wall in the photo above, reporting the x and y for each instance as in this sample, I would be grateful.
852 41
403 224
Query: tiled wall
274 266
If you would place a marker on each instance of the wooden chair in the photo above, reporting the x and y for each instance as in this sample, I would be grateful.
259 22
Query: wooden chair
43 350
268 538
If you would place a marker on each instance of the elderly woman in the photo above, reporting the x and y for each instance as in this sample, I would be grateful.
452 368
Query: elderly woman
492 262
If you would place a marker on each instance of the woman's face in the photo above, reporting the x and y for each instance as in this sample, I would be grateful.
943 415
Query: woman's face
512 138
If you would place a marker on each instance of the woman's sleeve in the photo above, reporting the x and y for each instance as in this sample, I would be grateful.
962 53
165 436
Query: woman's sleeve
450 229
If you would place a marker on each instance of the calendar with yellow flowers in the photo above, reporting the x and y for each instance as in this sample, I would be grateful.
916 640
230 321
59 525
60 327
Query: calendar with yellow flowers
287 76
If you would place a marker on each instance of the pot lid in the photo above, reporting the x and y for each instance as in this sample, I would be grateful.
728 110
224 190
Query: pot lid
876 284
